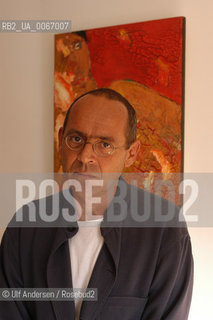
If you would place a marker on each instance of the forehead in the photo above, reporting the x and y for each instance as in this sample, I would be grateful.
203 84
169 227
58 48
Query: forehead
98 115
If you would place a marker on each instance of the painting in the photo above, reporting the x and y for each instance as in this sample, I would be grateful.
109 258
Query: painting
142 61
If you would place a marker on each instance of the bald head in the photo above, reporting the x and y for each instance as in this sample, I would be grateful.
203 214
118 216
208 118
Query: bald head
128 115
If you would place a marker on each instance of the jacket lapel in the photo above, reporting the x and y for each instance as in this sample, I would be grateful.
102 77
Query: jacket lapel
104 273
59 272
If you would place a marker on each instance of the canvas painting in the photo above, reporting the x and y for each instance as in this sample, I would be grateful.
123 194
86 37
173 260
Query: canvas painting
142 61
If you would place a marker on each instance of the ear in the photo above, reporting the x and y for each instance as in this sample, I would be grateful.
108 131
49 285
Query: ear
60 139
132 153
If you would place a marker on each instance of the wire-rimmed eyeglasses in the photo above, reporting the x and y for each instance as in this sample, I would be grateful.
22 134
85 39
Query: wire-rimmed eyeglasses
101 148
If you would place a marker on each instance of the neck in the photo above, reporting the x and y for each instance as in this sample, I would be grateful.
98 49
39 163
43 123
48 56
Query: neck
93 206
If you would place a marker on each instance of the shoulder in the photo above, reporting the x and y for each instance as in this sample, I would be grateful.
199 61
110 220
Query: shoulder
153 218
51 211
146 209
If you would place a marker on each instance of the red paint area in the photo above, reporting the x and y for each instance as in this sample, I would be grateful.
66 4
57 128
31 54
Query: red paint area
147 52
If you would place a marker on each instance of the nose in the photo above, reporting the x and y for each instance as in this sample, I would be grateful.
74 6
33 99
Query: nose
87 155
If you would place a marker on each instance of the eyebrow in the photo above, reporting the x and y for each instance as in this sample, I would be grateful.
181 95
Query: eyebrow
107 138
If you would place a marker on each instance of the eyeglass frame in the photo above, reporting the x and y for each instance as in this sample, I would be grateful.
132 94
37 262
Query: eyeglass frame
93 146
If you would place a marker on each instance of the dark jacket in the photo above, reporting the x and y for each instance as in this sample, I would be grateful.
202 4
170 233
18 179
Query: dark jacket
142 272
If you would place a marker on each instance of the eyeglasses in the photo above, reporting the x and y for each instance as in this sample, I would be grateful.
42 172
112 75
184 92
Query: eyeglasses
101 148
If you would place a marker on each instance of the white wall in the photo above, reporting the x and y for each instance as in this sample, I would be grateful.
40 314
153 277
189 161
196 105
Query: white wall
26 95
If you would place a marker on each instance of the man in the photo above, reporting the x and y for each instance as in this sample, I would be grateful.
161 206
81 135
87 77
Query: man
141 270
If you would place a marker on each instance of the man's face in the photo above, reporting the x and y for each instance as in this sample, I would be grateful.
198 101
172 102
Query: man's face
96 118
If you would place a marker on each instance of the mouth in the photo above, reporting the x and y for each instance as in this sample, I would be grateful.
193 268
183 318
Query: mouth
86 175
